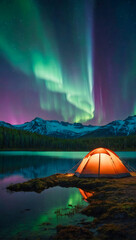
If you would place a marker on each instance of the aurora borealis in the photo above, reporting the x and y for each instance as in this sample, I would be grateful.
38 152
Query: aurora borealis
67 60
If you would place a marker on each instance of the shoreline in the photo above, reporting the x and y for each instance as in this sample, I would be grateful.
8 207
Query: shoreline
112 204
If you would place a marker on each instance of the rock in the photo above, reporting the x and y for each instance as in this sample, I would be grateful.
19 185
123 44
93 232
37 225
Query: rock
72 233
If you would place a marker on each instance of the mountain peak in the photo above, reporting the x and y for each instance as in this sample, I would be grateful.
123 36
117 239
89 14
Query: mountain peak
38 119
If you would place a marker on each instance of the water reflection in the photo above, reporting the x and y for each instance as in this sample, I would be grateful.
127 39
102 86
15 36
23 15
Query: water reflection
85 194
27 215
33 166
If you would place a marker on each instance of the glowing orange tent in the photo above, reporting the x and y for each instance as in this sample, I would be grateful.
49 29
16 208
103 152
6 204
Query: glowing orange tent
102 162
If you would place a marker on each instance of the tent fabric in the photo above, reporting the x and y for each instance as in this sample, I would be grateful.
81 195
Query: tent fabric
101 162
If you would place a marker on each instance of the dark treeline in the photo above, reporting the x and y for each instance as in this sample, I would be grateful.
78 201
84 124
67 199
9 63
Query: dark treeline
12 139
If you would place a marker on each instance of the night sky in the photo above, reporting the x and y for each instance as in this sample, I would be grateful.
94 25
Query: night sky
67 60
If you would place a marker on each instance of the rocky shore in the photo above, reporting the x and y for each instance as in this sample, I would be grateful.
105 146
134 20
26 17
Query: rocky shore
113 206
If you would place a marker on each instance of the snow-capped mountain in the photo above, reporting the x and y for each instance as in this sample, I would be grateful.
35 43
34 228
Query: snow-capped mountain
67 130
117 128
56 129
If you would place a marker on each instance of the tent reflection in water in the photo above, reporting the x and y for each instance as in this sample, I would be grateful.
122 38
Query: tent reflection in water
85 194
102 162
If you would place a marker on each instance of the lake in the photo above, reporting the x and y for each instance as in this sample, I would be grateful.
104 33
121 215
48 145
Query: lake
32 215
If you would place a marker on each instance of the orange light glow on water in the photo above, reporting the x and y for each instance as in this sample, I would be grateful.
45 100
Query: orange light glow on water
86 194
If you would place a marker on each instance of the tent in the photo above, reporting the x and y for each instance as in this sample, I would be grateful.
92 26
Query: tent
102 162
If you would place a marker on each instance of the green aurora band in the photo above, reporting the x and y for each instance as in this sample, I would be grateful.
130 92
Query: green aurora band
30 46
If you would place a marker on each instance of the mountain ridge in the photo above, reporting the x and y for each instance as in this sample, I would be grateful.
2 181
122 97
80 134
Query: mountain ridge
68 130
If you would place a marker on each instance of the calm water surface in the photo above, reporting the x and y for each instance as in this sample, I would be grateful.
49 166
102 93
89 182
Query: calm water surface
34 215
